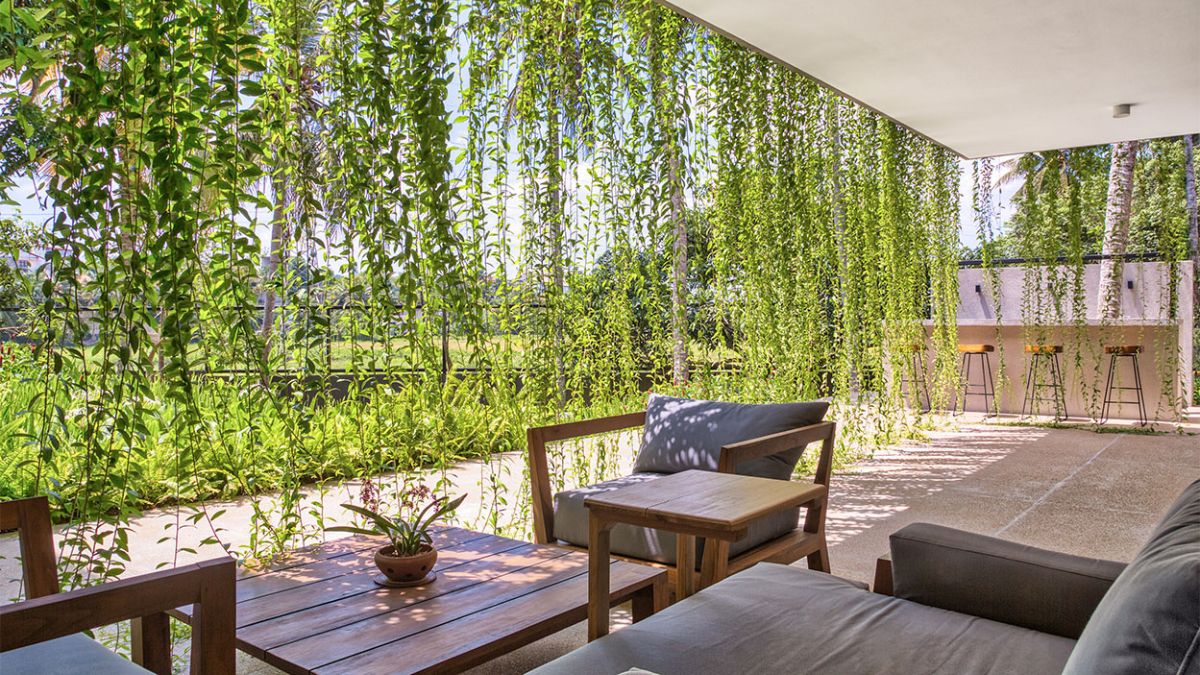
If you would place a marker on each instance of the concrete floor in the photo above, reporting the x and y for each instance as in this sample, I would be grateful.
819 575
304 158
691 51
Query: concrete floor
1073 490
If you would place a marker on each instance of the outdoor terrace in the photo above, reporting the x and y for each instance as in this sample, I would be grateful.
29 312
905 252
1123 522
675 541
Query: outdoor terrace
344 337
1067 489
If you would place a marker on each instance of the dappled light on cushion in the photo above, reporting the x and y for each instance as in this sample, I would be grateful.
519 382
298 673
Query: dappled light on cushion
683 434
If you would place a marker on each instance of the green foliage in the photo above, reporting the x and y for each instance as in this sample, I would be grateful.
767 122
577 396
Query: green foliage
16 282
522 173
1060 201
407 534
1041 178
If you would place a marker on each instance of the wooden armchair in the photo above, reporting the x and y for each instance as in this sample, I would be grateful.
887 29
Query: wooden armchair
807 540
48 615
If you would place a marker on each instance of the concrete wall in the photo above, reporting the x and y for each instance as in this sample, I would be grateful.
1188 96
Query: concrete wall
1026 316
1147 300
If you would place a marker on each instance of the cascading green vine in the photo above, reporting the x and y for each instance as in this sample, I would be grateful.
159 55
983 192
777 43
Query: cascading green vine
1059 219
324 240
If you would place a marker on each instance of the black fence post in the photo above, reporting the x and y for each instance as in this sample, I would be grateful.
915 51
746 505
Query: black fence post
328 338
445 346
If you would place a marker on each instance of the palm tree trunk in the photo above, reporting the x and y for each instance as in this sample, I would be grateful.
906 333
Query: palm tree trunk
271 265
1189 170
839 228
665 118
1116 227
554 230
679 269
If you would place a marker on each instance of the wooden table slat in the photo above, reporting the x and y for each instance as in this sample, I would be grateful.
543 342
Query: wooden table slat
464 642
361 579
326 568
362 636
308 554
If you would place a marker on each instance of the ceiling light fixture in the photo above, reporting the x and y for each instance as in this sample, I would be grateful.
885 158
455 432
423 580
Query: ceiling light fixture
1121 110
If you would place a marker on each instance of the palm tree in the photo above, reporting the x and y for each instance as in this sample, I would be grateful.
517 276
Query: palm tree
300 32
1032 170
1189 169
1116 226
1056 170
548 90
671 30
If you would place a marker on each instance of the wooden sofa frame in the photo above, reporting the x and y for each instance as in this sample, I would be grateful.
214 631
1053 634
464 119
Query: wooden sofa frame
144 600
807 540
883 575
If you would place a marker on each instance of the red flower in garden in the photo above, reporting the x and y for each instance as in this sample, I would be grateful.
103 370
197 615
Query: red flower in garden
369 495
415 496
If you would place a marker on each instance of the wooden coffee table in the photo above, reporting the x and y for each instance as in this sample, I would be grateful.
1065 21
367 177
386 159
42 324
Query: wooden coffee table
321 612
717 507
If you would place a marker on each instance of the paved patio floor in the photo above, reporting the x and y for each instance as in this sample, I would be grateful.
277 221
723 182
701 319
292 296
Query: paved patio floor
1094 494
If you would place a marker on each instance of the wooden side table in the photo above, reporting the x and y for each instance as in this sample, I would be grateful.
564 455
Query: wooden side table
717 507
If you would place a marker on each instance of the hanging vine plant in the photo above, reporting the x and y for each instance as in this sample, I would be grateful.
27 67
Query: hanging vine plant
289 246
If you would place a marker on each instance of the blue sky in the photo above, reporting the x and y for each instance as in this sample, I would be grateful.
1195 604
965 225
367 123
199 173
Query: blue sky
968 231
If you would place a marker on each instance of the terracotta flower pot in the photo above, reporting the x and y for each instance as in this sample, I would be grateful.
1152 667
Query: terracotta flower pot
406 568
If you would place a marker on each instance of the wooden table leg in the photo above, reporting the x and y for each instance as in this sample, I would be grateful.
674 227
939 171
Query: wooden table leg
651 599
685 566
819 560
716 562
598 570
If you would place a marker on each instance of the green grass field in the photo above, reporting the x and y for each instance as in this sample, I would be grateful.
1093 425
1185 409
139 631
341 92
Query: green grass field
367 355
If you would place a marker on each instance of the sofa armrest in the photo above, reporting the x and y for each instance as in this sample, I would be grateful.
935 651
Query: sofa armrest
997 579
882 583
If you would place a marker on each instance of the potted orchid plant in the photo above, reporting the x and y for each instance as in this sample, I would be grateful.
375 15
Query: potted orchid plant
410 554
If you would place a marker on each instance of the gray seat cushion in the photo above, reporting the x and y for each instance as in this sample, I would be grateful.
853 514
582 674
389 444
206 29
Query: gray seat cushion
571 525
683 434
66 656
1149 621
778 619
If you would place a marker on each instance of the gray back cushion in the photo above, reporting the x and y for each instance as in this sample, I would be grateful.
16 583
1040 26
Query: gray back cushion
686 434
1149 621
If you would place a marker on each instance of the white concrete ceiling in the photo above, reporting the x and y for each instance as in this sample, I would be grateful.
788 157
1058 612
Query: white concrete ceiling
989 77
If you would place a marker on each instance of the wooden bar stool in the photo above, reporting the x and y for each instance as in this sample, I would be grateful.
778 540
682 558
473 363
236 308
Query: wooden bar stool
918 383
1048 354
988 388
1115 353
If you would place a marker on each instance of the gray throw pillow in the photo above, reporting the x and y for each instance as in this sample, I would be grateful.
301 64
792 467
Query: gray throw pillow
686 434
1149 621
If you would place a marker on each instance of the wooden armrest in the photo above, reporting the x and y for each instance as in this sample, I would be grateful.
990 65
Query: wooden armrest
600 425
539 468
763 446
883 575
208 585
31 520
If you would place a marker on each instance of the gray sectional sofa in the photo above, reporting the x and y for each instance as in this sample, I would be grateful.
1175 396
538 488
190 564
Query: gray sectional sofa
960 603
